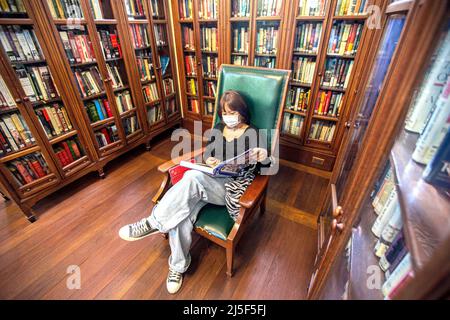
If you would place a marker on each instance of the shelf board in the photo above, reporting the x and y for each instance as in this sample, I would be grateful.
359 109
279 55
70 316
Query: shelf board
268 18
189 50
186 20
239 54
127 113
144 82
209 98
341 56
17 154
210 52
26 63
114 59
351 17
155 124
152 103
194 76
12 21
69 21
63 137
207 20
159 21
332 89
102 123
209 78
305 54
134 135
121 89
191 95
40 103
82 64
425 209
268 55
327 118
9 110
299 113
143 48
94 96
240 19
170 96
362 257
319 141
83 160
299 84
310 18
105 21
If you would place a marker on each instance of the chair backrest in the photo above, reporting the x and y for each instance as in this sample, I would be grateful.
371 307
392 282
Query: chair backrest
264 91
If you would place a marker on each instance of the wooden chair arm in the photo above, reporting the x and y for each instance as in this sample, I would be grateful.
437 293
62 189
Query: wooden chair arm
171 163
254 191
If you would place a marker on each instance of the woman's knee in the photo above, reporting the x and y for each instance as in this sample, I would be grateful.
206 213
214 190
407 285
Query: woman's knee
193 175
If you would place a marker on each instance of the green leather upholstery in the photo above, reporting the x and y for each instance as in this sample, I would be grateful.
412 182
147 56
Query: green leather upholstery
263 91
215 220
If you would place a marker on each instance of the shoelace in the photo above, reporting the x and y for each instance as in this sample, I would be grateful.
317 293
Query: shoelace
174 276
139 227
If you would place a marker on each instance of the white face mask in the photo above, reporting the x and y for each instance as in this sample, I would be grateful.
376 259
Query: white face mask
231 120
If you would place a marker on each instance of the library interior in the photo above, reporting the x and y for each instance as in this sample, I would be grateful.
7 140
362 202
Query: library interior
345 195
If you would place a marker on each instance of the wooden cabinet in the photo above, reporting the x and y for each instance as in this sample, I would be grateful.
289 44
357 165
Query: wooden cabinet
384 230
73 96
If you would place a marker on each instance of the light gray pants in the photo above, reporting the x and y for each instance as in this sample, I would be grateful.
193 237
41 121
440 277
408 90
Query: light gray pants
177 212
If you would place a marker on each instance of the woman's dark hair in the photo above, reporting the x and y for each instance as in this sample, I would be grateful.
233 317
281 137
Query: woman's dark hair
235 102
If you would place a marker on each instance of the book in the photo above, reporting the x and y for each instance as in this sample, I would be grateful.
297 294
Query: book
209 39
210 66
394 279
292 124
322 131
145 66
391 208
307 37
135 9
97 9
240 39
388 234
150 92
396 251
6 99
229 168
437 172
303 69
154 115
164 61
130 125
28 168
208 9
160 35
311 7
297 99
188 37
266 39
267 8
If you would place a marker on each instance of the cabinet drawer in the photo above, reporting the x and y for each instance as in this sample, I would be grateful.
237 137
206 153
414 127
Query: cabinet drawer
38 185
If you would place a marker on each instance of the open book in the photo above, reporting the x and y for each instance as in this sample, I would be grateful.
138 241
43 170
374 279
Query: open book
229 168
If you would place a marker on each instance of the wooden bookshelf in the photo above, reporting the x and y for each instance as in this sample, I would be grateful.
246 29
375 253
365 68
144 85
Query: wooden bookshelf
106 44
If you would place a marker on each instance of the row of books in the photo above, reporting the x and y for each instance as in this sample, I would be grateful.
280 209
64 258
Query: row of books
107 135
240 39
154 114
89 81
190 62
12 6
150 92
328 103
210 89
297 99
145 66
98 109
68 151
337 73
193 105
307 37
171 107
268 8
265 62
54 120
191 86
77 45
6 99
168 86
28 168
240 60
64 9
188 38
322 130
351 7
15 133
209 108
391 249
345 38
140 35
110 44
130 125
210 66
124 101
160 35
37 83
208 9
209 40
135 9
114 75
303 69
97 9
186 9
157 9
240 8
311 7
266 40
20 43
292 124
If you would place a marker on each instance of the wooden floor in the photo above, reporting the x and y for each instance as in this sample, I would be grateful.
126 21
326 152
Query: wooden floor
78 226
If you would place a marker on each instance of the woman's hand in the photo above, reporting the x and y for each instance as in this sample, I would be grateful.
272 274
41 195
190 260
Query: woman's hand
211 161
258 155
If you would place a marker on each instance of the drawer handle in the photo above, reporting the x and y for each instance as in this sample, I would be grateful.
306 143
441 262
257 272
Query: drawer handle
28 189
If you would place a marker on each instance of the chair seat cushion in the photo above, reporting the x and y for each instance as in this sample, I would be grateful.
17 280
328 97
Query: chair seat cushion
215 220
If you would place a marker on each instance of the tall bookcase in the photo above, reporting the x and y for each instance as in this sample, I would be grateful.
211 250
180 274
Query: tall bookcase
74 90
384 230
200 53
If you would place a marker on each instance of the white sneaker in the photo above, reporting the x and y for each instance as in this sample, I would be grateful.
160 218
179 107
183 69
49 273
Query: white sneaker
174 281
137 230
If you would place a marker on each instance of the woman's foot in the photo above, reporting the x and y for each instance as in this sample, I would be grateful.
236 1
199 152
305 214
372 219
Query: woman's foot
174 281
137 230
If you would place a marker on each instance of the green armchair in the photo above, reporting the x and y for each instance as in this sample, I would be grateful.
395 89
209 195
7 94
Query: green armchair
264 91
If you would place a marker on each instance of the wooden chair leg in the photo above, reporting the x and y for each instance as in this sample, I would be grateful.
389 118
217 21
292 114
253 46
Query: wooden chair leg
230 257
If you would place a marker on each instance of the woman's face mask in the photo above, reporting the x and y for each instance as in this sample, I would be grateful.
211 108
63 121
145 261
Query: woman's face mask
231 121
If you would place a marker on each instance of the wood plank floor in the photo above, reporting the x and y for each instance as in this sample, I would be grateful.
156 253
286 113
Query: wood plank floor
78 226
